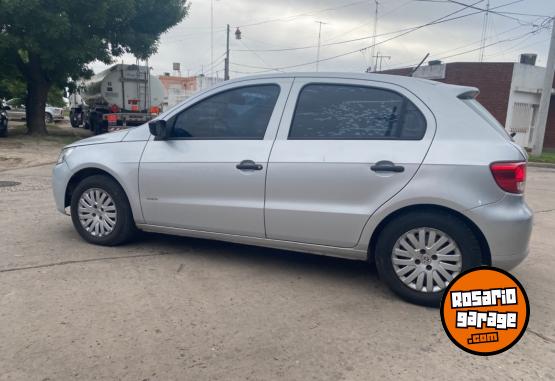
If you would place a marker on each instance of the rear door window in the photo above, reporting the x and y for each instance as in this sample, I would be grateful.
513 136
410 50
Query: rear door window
349 112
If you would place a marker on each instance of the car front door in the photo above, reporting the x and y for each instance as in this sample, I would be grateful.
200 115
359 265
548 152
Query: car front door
210 174
344 148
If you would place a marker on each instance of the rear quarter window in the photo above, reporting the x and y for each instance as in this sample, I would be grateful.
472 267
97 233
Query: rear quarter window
487 117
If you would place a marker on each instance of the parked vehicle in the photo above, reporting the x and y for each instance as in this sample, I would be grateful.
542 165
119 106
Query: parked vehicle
16 111
411 174
15 108
121 96
3 121
53 114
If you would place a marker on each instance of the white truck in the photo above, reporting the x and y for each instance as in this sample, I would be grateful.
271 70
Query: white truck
120 96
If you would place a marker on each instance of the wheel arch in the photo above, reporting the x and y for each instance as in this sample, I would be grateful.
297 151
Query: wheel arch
484 246
82 174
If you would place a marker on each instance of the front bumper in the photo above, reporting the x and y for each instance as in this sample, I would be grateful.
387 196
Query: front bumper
507 226
60 178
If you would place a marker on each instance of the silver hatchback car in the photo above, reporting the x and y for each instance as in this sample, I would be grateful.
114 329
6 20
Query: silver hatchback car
413 175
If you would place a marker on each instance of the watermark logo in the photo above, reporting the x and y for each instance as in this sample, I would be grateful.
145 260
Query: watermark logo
485 311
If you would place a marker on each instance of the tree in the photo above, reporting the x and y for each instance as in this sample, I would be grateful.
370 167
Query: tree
50 41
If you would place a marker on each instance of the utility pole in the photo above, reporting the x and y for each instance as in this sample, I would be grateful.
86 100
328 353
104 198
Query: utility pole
541 120
380 57
372 51
484 34
211 38
226 71
319 43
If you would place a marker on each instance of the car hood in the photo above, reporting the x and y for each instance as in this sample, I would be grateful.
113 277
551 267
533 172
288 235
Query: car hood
111 137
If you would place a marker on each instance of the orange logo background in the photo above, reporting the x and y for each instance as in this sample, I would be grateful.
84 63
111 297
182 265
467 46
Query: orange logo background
468 292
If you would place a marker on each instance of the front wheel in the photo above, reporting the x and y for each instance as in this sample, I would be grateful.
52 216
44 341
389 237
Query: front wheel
420 253
101 213
48 118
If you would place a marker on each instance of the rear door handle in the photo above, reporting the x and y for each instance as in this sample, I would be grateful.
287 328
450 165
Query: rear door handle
249 165
387 166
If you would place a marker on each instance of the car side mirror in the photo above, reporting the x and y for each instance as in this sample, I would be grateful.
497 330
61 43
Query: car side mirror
159 129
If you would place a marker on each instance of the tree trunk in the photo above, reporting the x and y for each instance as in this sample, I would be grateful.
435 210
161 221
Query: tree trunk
37 91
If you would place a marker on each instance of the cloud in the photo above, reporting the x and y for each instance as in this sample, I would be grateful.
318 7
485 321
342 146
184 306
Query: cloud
288 23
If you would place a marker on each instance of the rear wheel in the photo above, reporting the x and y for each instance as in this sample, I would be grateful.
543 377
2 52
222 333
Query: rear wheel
418 254
101 213
74 119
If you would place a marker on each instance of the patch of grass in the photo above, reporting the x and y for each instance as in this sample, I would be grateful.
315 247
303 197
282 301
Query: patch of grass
57 134
548 156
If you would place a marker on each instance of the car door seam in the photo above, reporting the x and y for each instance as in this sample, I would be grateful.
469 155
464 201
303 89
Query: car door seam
291 85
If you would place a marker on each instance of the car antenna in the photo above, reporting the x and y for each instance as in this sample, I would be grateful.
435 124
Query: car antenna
420 64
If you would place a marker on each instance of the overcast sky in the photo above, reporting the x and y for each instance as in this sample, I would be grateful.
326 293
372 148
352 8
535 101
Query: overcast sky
285 24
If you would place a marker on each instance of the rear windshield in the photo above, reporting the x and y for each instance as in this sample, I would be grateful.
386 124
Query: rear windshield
487 117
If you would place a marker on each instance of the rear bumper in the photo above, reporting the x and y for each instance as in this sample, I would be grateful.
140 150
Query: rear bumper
507 226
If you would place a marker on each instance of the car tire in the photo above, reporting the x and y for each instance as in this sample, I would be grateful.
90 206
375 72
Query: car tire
399 258
48 118
107 207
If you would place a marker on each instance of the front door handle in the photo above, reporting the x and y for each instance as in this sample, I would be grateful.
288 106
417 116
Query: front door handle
387 166
249 165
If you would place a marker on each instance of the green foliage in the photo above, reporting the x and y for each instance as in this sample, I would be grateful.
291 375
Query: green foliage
11 87
55 97
47 42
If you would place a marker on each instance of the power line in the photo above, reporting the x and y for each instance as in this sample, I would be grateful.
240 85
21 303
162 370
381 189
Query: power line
365 23
490 11
409 63
257 55
488 45
440 20
291 18
410 29
437 21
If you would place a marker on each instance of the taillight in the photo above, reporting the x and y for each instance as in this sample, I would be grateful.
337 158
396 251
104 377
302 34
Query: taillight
510 176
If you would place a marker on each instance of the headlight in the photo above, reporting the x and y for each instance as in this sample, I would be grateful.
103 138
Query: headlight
64 155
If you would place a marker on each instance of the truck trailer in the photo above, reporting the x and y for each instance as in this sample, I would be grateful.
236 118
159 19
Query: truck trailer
120 96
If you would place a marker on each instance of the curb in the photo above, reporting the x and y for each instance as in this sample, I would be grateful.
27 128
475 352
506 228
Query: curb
541 165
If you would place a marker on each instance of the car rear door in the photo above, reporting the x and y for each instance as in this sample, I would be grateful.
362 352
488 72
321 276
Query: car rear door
344 148
210 175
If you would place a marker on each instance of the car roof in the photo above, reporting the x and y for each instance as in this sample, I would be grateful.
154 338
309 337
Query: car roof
341 75
411 83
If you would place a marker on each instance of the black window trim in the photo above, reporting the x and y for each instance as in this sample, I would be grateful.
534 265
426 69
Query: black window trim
405 100
173 119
